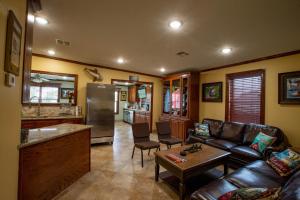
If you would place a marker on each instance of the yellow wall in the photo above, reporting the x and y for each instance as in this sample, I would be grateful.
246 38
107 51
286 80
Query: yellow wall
10 108
286 117
45 64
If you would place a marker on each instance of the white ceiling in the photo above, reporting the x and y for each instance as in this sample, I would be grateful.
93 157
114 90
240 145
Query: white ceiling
102 30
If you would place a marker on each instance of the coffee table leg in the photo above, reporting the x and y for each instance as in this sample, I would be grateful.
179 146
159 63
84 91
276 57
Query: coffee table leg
156 171
225 168
181 191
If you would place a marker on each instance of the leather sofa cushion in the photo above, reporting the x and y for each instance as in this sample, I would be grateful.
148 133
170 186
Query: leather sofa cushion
246 151
213 190
291 190
263 168
222 144
244 177
251 131
215 126
232 131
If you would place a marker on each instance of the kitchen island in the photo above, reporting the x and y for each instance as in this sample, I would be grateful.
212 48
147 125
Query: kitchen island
52 158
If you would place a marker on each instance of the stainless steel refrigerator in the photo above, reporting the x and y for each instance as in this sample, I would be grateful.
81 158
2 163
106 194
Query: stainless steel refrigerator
100 112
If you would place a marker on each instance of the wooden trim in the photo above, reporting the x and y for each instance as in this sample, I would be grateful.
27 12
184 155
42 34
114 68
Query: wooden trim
253 60
263 88
93 65
152 94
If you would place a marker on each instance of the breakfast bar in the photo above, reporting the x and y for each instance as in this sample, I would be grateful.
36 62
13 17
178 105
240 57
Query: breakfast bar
52 158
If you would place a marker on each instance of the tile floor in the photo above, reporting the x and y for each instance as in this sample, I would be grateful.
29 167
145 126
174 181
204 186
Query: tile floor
114 175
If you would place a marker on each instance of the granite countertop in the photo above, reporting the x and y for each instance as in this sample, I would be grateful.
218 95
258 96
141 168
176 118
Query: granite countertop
51 117
35 136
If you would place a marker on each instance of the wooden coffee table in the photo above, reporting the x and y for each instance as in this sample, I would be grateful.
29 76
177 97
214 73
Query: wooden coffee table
197 163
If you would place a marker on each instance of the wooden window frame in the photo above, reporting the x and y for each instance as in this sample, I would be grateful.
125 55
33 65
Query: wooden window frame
229 77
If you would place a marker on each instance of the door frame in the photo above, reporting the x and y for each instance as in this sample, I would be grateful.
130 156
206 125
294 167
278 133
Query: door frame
140 82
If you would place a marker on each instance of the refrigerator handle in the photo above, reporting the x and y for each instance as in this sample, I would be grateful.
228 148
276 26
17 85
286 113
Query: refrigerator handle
87 112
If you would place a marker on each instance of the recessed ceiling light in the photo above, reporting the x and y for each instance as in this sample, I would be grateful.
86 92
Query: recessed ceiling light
226 50
120 60
41 20
162 69
126 83
175 24
51 52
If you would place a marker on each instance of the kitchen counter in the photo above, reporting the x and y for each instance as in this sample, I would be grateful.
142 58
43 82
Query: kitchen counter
39 135
52 158
51 117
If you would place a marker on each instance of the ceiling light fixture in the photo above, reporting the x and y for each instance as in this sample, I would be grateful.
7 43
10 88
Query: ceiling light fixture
226 50
175 25
162 69
51 52
120 60
41 20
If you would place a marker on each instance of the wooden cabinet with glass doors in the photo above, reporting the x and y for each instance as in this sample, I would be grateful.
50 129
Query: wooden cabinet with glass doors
181 102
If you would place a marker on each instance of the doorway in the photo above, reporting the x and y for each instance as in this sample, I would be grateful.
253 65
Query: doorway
133 101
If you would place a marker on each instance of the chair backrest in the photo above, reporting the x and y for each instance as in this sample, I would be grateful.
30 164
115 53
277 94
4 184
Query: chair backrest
141 132
163 129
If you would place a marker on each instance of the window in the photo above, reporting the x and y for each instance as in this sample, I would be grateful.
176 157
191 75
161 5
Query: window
245 101
117 93
46 93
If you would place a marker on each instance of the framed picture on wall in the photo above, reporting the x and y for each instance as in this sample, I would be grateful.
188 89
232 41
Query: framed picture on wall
13 45
289 88
123 95
66 92
212 92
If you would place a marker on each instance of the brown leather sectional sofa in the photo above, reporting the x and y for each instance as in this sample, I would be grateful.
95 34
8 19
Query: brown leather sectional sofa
256 174
236 138
254 171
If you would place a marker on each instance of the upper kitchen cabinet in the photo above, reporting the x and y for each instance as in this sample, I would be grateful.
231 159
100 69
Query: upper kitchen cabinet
132 90
181 102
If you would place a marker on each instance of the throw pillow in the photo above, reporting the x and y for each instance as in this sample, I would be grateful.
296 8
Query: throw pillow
262 141
201 129
251 194
285 162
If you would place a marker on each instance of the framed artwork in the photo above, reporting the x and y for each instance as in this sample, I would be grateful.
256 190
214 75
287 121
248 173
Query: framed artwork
13 45
123 95
65 92
289 88
212 92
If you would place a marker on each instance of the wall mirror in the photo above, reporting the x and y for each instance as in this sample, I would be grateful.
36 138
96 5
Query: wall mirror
48 88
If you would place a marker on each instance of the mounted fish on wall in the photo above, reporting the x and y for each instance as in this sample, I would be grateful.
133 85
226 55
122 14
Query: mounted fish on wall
94 73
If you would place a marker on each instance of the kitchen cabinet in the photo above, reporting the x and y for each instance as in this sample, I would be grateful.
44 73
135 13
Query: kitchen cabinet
181 102
132 97
38 123
50 160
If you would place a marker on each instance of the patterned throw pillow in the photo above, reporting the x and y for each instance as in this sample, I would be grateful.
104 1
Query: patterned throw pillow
201 129
251 194
262 141
285 162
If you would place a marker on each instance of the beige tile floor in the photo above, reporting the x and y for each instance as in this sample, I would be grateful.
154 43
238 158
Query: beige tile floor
114 175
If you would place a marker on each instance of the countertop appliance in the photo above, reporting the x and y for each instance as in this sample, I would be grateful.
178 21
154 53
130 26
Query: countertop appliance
100 112
128 116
